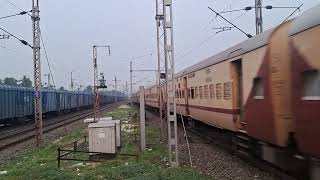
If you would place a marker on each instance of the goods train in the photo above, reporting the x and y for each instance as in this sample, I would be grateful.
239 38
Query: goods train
265 91
17 103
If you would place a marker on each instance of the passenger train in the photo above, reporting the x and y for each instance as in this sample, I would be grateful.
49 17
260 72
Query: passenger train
265 90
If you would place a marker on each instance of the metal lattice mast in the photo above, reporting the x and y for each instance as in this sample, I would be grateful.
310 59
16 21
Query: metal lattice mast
131 93
37 70
169 59
95 81
258 9
159 18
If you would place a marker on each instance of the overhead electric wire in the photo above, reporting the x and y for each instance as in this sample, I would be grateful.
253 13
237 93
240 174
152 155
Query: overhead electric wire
21 40
18 14
46 55
248 35
298 8
17 7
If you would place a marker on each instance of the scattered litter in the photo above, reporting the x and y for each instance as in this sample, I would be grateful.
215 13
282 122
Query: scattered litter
57 140
93 164
3 172
78 169
78 164
124 107
167 164
150 149
126 163
43 164
18 163
78 174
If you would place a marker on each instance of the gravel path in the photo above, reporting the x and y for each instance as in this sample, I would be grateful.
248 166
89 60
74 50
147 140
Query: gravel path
212 160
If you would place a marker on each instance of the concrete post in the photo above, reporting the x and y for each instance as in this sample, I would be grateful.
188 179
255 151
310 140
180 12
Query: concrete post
142 120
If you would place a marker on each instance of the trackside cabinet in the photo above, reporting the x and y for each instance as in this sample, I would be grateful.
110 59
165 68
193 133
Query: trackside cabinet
102 137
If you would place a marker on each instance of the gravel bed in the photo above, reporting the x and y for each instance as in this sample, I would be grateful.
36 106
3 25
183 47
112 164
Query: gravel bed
212 160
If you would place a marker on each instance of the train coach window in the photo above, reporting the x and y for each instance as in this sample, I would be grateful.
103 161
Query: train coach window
218 91
211 91
192 93
227 90
258 88
206 95
311 85
196 92
201 92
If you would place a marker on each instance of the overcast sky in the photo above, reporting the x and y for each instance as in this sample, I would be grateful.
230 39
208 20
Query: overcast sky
71 27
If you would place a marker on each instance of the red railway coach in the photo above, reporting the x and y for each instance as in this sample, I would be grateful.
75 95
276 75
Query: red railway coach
266 90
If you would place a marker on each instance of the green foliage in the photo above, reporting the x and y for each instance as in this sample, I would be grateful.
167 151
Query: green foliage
10 81
88 89
61 88
41 163
1 81
25 82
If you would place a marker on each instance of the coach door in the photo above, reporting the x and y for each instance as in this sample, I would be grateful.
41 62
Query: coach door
236 67
186 94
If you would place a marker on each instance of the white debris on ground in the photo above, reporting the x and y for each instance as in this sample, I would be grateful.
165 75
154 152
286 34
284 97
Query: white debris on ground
78 165
3 172
129 127
124 107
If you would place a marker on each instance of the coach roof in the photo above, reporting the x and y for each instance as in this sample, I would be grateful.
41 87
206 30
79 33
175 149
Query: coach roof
307 20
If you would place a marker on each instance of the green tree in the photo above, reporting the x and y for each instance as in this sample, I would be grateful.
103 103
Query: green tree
25 82
1 81
10 81
88 89
61 88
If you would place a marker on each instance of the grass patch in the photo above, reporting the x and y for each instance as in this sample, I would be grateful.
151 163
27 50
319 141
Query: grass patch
40 163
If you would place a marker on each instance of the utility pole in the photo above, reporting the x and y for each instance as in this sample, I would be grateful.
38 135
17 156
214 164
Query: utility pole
142 120
115 86
37 70
170 83
96 80
258 9
131 95
127 88
159 18
71 83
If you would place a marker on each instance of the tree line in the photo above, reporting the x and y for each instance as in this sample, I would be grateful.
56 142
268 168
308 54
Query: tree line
23 82
26 82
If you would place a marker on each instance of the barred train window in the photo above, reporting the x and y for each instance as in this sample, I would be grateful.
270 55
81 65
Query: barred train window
258 88
206 96
218 91
196 92
182 94
227 90
201 92
212 91
192 93
311 85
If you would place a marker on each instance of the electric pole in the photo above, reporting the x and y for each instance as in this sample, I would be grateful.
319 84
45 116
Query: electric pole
96 80
115 86
159 18
170 83
37 70
71 83
258 9
131 95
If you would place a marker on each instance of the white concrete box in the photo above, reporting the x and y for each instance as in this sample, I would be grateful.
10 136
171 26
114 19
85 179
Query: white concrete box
102 137
91 120
118 130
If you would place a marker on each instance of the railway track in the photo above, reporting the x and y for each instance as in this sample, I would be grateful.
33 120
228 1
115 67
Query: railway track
225 141
17 135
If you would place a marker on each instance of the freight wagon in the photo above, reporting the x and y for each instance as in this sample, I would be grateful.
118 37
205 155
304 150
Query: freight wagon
17 103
